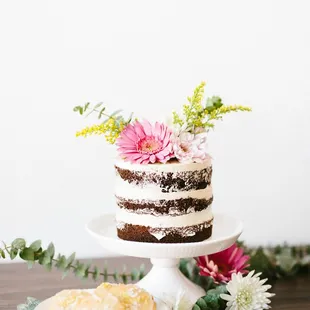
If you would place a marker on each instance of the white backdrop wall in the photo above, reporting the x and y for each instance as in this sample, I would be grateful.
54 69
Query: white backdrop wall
147 56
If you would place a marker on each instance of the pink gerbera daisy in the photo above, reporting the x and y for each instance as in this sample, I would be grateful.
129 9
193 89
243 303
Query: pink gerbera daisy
142 143
220 266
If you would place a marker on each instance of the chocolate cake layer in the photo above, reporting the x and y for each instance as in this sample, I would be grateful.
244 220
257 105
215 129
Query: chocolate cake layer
172 207
169 181
139 233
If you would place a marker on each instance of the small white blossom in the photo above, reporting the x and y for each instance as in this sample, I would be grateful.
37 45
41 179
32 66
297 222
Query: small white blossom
247 293
190 147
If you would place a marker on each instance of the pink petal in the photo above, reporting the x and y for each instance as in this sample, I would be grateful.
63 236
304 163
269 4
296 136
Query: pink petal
139 130
152 159
156 129
147 127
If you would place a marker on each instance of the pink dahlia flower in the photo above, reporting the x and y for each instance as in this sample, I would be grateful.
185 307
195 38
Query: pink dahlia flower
142 143
220 266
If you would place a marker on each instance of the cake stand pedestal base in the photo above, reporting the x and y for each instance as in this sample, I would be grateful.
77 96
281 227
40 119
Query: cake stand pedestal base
165 282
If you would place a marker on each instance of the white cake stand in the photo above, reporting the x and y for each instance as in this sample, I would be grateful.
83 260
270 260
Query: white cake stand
165 280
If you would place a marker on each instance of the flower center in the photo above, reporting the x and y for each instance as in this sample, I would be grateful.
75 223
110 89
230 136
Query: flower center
149 145
184 147
244 298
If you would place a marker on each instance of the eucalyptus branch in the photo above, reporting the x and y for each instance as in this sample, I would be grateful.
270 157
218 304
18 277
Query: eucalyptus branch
111 127
34 253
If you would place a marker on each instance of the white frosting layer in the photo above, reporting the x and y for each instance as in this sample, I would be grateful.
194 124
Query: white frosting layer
164 221
153 192
174 166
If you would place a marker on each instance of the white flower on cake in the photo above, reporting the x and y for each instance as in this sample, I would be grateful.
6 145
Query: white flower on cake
247 293
190 147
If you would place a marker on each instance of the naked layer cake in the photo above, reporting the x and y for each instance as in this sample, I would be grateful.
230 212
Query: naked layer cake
168 203
163 178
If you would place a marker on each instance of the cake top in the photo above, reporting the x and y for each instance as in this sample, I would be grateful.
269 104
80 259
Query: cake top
106 296
182 139
172 166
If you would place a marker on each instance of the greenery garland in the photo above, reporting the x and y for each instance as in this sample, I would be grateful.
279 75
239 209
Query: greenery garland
274 262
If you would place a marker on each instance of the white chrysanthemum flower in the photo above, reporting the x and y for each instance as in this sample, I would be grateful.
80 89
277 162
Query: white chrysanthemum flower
189 147
247 293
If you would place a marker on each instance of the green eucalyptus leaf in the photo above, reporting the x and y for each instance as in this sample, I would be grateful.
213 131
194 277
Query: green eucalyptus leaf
80 271
51 250
18 244
98 105
141 271
27 254
46 258
48 266
134 275
36 245
13 253
71 259
86 106
2 253
101 112
196 307
95 273
61 262
105 274
115 276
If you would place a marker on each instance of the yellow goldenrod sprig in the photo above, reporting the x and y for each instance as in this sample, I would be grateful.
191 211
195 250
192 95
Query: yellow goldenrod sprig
197 115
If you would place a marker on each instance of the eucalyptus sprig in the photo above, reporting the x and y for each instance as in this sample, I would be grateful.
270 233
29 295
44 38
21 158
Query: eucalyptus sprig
197 115
111 127
35 253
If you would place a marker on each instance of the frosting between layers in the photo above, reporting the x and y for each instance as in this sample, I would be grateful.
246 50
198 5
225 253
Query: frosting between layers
165 221
154 192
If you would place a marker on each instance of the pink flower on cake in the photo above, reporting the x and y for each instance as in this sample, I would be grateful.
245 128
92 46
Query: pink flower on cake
220 266
142 143
189 147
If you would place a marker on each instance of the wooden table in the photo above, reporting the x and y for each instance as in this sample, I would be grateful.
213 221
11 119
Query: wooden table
17 282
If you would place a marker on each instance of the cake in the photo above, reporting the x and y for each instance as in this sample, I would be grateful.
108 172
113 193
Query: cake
106 296
167 203
163 177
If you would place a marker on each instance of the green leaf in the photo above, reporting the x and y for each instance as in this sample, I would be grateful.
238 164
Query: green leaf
27 254
61 262
142 271
101 112
80 270
86 106
115 113
36 245
51 250
18 244
105 273
98 105
116 276
134 275
201 303
196 307
13 253
71 259
77 108
45 258
95 273
2 254
48 266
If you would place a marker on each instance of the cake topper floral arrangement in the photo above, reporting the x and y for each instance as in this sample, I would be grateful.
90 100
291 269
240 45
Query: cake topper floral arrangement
141 142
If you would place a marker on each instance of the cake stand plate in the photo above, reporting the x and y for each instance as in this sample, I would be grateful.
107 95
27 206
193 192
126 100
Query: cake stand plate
165 281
